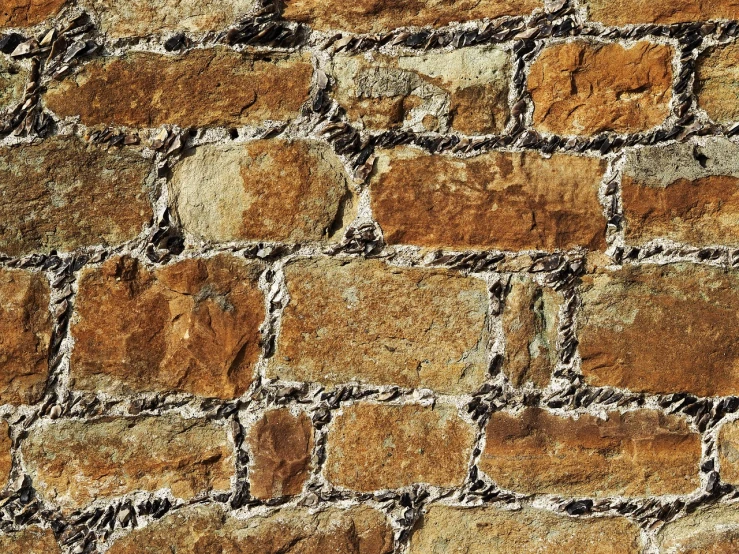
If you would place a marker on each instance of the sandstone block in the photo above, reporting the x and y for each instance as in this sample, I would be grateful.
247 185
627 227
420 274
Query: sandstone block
13 78
281 446
25 334
270 190
708 531
728 452
660 12
640 453
25 13
372 447
369 322
661 329
46 200
211 87
580 88
497 200
192 326
6 457
75 462
717 83
31 540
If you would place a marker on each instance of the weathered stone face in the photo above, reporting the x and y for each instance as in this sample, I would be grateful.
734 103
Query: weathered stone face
709 531
661 329
639 453
200 333
74 462
660 12
530 320
45 200
31 540
369 322
716 83
373 446
372 16
490 530
25 334
464 90
728 451
579 88
207 528
498 200
212 87
147 17
6 458
281 446
24 13
684 192
273 190
13 78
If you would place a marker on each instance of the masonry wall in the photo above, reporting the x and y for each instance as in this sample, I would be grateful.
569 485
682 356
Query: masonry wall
363 277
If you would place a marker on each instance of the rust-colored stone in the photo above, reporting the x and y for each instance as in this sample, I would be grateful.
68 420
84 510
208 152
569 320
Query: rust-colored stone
660 12
717 83
639 453
281 446
74 462
373 16
708 531
24 13
491 530
211 87
269 190
580 88
498 200
374 446
369 322
6 457
661 329
25 334
31 540
728 452
684 192
465 90
13 78
192 326
49 203
530 320
208 529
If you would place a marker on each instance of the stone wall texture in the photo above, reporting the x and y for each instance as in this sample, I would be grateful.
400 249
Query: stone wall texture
370 277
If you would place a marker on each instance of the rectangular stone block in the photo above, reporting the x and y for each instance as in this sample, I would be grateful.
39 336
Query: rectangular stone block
192 326
75 462
728 452
660 12
203 88
685 192
263 190
497 200
661 329
368 322
581 88
717 83
6 456
45 200
707 531
374 446
639 453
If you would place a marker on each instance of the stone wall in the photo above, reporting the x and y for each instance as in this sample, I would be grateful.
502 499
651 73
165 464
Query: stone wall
410 277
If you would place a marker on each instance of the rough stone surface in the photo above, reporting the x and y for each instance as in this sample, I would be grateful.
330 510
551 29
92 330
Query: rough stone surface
31 540
13 78
208 529
75 462
373 446
274 190
373 323
47 203
463 90
708 531
717 83
684 192
281 446
660 12
530 320
6 458
728 451
498 200
640 453
490 530
371 16
579 88
25 334
24 13
211 87
200 334
146 17
661 329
